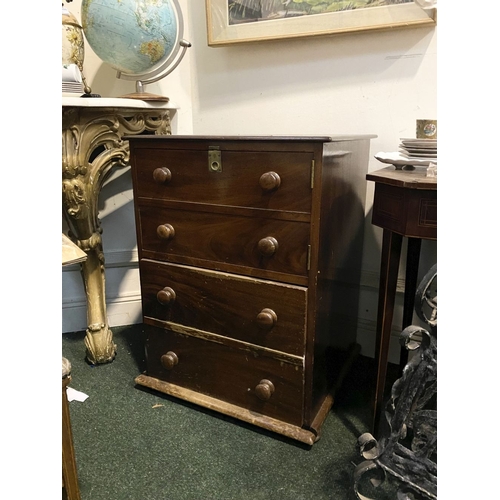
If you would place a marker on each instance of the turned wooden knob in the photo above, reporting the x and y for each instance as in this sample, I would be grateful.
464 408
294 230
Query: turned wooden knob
166 296
264 390
266 319
162 175
169 360
270 181
268 246
165 231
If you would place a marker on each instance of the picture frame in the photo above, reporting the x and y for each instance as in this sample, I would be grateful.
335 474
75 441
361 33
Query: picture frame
243 21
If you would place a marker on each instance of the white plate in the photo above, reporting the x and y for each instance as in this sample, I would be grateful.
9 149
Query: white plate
420 154
413 149
400 161
419 143
72 88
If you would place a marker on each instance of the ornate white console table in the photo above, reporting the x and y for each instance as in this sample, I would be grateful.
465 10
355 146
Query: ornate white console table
92 132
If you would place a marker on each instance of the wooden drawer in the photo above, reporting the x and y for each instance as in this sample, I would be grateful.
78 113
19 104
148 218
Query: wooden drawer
238 184
410 212
227 373
233 240
259 312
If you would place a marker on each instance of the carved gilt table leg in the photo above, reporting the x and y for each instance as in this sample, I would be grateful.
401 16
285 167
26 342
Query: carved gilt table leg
92 144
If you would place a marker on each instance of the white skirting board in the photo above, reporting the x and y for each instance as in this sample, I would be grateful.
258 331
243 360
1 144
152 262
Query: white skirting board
123 293
120 312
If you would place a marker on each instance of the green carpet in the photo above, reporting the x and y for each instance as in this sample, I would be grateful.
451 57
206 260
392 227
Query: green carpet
132 443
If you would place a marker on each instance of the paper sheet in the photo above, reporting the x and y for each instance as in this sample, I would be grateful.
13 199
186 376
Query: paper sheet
74 395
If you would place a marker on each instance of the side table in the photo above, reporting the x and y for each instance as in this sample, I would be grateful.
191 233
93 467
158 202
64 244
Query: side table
404 205
92 144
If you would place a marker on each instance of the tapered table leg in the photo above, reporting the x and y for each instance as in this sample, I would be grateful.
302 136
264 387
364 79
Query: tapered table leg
412 261
391 253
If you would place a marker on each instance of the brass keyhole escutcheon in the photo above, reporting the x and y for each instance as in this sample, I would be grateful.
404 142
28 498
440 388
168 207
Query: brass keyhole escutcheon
214 160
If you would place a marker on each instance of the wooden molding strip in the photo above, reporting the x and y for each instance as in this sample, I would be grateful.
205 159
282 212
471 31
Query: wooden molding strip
220 339
271 424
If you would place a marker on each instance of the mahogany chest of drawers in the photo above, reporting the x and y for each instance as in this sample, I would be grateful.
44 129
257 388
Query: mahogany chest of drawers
244 243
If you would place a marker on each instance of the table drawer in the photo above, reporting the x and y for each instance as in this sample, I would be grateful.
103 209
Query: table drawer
233 375
199 237
409 212
259 312
268 180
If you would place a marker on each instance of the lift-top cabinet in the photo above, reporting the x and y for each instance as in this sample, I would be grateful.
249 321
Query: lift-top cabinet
248 250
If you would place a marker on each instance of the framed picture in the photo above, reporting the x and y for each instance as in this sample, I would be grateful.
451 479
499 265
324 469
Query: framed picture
239 21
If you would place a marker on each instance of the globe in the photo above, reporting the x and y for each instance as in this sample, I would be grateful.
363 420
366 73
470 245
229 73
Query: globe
141 39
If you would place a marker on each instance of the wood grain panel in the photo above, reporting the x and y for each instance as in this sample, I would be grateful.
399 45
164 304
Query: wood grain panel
409 212
226 304
226 373
237 184
224 238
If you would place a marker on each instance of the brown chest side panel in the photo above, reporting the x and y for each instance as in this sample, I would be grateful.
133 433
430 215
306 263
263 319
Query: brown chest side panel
226 373
238 183
260 312
225 238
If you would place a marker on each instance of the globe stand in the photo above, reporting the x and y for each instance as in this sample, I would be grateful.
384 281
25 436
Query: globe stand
162 72
144 96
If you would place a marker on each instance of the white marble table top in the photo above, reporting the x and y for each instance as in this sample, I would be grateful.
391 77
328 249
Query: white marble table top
115 102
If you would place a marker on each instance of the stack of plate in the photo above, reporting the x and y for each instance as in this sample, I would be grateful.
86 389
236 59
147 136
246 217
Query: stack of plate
419 149
412 153
72 87
72 82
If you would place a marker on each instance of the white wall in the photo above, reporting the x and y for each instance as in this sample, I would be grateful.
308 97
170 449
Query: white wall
367 83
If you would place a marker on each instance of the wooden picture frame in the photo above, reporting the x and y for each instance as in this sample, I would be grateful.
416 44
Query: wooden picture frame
246 24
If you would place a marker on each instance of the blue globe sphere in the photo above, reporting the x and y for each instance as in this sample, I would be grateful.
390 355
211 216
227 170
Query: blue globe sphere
133 36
